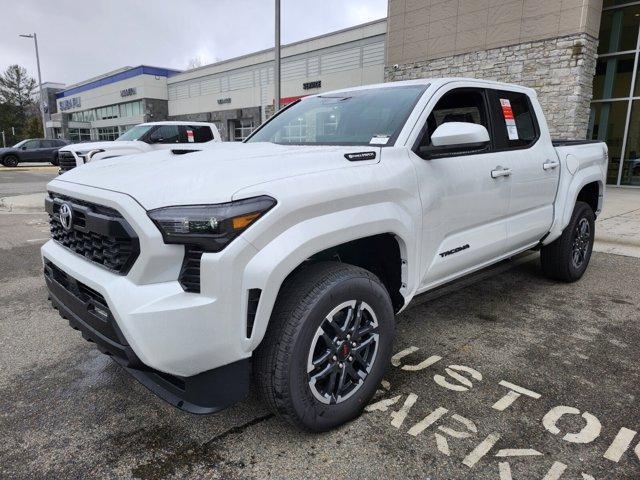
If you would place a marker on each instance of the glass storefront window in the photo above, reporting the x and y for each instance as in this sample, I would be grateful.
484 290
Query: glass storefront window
136 108
631 164
607 124
611 3
79 134
613 77
242 129
108 133
619 30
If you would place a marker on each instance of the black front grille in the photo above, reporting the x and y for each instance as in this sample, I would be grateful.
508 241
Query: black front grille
100 234
190 271
66 160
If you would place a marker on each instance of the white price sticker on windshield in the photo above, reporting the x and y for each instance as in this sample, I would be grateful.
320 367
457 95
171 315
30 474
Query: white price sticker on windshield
379 140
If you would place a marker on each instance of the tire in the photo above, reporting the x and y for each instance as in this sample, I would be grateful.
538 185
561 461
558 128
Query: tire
567 258
293 340
10 161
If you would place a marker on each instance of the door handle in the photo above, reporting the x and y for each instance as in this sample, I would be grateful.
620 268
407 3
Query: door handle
550 165
500 172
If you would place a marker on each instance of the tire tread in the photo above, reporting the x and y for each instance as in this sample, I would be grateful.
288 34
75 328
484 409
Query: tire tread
555 257
272 357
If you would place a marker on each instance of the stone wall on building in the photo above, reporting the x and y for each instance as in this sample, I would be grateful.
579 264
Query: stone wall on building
224 119
155 110
561 70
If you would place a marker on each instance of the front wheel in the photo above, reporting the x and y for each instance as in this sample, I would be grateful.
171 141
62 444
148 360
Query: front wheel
567 257
327 347
10 161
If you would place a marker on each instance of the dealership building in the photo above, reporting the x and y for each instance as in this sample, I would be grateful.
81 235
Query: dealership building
104 107
581 56
238 94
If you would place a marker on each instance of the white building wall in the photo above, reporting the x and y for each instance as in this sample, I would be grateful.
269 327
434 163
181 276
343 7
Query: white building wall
147 86
348 58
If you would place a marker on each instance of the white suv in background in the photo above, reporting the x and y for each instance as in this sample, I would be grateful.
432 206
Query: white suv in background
180 137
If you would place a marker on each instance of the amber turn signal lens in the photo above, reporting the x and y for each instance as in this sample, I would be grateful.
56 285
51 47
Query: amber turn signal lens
243 221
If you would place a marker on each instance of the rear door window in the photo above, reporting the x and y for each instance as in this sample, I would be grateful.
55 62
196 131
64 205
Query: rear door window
515 124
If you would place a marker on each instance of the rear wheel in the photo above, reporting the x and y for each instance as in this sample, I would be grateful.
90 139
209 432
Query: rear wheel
10 161
567 257
327 347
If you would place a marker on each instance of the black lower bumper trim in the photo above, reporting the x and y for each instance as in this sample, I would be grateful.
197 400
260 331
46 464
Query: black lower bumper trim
206 392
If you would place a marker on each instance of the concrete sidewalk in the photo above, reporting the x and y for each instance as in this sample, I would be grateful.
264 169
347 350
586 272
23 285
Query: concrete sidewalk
618 226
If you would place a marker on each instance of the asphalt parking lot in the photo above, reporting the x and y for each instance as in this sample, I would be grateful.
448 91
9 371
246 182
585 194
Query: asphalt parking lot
514 377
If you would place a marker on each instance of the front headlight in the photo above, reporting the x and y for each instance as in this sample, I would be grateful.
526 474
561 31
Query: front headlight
212 227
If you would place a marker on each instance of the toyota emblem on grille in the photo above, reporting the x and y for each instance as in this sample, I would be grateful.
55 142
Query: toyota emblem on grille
66 216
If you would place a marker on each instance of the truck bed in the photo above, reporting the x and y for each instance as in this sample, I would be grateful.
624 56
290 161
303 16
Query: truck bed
568 143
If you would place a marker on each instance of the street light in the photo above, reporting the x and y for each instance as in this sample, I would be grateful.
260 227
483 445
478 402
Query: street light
276 70
35 39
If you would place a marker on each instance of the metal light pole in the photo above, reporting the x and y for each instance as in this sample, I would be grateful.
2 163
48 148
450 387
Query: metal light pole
4 143
276 70
35 39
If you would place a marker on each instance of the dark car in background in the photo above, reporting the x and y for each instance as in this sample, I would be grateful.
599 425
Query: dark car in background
32 150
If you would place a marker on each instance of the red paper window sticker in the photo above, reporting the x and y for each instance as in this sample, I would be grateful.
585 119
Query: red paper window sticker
509 119
190 137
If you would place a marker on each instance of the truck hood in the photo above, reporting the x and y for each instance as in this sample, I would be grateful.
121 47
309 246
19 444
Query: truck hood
108 146
162 178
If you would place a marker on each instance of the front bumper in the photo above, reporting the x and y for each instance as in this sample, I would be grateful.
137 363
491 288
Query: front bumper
87 311
161 330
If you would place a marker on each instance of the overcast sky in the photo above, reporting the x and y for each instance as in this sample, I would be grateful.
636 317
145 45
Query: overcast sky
79 39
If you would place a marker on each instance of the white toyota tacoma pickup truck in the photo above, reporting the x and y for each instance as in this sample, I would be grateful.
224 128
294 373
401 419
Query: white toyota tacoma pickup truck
181 137
287 256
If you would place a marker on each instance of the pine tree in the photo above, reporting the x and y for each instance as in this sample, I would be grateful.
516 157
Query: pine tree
16 87
17 91
33 128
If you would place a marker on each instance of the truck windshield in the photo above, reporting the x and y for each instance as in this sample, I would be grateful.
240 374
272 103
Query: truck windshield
135 133
361 117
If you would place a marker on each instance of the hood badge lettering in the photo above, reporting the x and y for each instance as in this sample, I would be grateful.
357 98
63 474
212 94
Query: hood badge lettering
359 156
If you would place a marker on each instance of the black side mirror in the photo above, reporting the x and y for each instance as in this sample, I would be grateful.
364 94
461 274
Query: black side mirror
429 152
23 147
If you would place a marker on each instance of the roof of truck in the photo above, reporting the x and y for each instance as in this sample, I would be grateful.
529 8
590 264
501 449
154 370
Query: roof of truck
437 82
177 122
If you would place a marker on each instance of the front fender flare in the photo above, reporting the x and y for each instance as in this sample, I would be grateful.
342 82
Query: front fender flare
268 269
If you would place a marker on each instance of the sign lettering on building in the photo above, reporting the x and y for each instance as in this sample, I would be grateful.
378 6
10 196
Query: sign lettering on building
68 103
312 85
222 101
128 92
